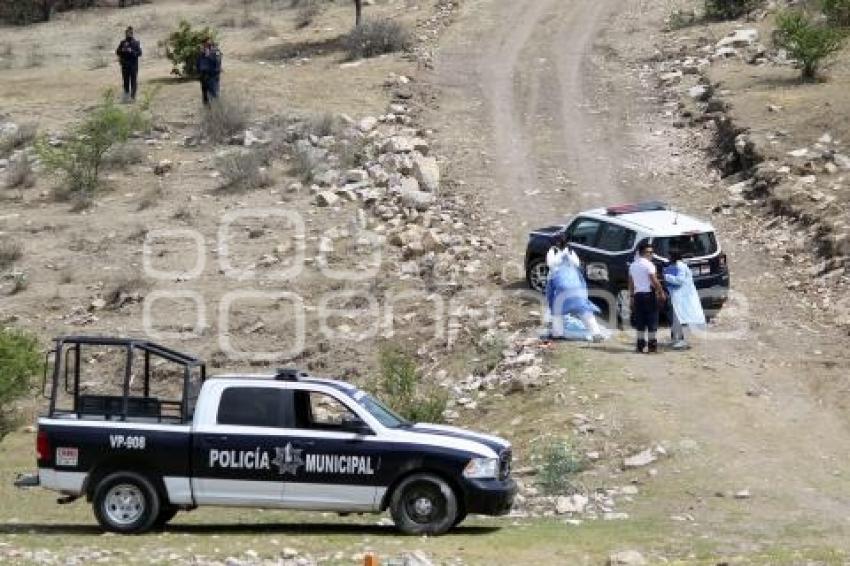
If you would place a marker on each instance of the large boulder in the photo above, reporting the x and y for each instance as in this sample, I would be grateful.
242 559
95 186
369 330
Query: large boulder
427 172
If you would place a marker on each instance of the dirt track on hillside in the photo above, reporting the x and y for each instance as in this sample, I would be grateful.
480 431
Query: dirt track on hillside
546 108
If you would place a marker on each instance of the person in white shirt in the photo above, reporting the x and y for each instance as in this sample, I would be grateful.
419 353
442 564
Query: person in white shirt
646 296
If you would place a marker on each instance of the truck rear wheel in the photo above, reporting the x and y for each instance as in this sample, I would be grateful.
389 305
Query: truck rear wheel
424 504
126 502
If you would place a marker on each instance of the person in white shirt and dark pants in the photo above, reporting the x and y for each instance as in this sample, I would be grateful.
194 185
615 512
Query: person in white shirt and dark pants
647 296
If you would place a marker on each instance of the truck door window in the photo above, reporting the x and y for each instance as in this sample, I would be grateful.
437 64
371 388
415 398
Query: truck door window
583 231
614 238
252 406
316 410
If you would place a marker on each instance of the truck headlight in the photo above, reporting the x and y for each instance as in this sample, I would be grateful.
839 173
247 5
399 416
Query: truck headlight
482 468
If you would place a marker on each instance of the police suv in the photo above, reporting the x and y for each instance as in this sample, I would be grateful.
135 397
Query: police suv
285 440
606 239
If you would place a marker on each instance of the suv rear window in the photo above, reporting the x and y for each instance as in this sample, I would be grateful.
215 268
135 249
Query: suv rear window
690 245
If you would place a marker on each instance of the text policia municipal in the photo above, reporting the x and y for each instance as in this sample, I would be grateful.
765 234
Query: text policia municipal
290 460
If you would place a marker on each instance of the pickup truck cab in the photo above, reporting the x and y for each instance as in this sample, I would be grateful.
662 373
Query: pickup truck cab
284 440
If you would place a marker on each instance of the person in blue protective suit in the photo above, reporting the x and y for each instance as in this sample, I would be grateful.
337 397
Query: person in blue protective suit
566 294
685 306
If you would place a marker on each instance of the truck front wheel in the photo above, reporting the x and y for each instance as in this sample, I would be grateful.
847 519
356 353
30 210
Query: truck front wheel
126 502
424 504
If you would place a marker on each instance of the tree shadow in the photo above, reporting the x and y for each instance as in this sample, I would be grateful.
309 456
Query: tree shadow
307 48
170 80
303 529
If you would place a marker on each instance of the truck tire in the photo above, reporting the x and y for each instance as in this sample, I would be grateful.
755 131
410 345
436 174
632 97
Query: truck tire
424 504
126 503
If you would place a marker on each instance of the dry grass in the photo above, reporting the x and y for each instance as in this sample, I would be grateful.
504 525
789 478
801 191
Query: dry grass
10 252
243 170
306 13
121 289
225 116
151 197
19 174
123 155
23 136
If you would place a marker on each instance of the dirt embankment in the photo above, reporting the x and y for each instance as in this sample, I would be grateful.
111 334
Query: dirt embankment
780 146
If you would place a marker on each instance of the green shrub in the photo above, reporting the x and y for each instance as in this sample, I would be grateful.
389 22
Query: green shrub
808 42
182 47
376 37
80 159
399 385
730 9
20 361
559 463
837 12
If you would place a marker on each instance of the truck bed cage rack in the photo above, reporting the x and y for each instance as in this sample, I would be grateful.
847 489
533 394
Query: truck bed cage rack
66 353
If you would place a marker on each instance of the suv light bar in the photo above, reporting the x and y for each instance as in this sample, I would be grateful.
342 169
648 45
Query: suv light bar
636 207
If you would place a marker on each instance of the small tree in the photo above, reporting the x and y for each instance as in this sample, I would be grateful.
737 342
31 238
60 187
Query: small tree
358 12
20 361
399 386
182 47
80 159
807 41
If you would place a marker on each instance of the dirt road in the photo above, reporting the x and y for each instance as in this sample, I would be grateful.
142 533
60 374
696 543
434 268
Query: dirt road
547 108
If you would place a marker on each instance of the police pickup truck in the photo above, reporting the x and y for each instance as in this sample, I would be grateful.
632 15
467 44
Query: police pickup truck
285 440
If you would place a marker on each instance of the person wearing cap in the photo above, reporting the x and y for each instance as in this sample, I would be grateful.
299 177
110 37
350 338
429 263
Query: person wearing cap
209 70
128 52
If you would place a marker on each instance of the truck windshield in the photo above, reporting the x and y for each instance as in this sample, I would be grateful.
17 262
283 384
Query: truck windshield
381 412
690 245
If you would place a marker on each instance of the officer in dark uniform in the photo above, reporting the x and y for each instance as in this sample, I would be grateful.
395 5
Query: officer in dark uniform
129 51
209 70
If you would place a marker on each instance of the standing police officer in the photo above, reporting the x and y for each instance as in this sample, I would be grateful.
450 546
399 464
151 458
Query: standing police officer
209 70
129 51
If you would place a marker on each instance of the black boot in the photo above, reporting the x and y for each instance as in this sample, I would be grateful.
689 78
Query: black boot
653 347
641 344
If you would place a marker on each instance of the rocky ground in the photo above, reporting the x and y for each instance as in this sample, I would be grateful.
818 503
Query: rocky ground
507 116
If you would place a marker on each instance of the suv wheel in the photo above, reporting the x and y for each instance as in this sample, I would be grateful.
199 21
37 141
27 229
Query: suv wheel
126 502
537 274
424 504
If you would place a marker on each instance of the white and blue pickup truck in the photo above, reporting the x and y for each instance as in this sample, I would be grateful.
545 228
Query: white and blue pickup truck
284 440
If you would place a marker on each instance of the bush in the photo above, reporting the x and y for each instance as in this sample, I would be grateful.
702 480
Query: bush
182 47
242 170
10 252
399 386
225 116
837 12
559 464
123 155
20 361
376 37
79 160
730 9
20 175
808 42
24 135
